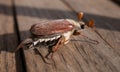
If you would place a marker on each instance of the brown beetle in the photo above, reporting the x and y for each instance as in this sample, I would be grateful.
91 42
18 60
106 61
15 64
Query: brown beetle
54 33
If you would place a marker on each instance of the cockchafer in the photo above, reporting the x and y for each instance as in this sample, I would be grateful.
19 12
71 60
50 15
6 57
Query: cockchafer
54 33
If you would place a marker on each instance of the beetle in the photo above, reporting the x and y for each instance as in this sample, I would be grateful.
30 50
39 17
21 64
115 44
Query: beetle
54 33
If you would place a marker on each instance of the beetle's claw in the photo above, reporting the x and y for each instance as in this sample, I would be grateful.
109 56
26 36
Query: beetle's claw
47 56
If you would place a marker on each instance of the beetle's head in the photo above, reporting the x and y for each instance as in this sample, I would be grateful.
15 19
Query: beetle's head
90 23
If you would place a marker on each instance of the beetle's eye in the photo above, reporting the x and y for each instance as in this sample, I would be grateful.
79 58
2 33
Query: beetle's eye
82 26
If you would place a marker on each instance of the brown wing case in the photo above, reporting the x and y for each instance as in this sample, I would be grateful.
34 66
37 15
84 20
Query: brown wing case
52 27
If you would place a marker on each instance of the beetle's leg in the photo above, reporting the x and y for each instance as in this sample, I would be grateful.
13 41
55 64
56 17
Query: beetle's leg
80 15
56 47
48 54
90 39
59 43
78 33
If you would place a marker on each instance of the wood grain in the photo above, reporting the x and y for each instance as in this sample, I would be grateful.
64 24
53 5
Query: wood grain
107 21
81 54
106 16
25 20
8 38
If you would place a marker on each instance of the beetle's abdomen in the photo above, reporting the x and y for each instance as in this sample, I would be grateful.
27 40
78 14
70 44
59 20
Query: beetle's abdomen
52 27
46 41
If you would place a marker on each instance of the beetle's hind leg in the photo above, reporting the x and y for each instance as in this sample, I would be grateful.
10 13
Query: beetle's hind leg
55 47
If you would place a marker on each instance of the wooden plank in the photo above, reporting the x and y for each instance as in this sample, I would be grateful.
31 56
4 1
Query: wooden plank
80 55
8 39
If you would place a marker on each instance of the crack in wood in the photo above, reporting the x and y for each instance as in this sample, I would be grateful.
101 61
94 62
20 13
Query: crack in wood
21 53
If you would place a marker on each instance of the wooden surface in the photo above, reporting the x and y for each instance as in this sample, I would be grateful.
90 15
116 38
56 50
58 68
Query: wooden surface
79 55
8 39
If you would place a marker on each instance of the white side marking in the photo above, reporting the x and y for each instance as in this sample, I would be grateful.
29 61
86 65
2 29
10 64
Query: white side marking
47 39
52 38
57 37
35 42
41 40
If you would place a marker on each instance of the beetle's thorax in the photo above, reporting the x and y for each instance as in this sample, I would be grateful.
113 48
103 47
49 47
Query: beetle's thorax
68 34
76 24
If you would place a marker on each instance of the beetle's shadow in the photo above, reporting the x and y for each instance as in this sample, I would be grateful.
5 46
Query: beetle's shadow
8 42
8 45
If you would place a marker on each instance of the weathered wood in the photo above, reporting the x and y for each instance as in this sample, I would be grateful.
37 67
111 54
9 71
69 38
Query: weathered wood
80 55
8 39
107 17
39 11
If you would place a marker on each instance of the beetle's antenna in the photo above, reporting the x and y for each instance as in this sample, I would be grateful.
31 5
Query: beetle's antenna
91 24
80 15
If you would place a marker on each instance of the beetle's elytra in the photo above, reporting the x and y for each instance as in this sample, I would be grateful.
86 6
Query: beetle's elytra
54 33
52 27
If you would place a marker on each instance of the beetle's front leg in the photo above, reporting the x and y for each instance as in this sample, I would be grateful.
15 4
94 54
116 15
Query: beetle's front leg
78 33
